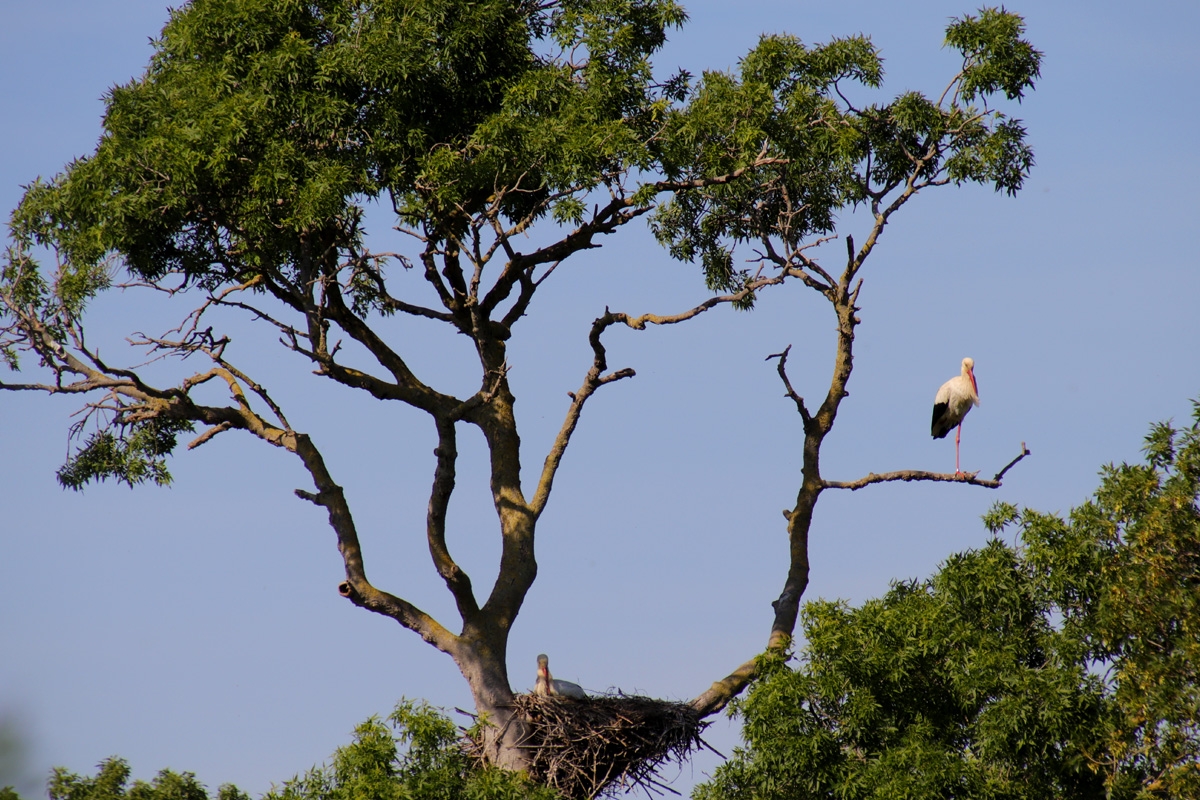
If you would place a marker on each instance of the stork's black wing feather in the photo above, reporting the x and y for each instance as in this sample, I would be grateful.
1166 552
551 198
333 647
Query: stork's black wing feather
938 428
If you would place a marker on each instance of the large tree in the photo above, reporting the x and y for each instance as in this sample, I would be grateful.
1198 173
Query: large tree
505 137
1060 666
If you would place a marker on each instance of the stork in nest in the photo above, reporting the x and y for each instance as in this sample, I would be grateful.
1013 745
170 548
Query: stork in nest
549 686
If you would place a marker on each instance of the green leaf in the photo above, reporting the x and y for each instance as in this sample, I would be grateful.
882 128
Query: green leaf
995 57
133 454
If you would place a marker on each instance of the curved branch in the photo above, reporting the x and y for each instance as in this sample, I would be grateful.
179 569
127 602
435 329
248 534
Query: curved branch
797 399
431 275
596 378
208 435
359 266
718 180
639 323
1000 475
457 581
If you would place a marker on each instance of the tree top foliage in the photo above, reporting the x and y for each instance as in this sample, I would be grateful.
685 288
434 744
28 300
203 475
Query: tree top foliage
111 782
260 128
789 101
1064 666
259 125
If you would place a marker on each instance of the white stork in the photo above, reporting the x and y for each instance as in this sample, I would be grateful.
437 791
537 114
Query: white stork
952 403
549 686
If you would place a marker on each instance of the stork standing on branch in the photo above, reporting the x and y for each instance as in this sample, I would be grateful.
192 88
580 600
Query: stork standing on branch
953 401
549 686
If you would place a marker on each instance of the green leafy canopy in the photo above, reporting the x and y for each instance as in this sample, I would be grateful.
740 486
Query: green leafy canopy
815 153
260 128
260 125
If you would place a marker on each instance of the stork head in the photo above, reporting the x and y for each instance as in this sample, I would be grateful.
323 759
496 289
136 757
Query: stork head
543 665
968 371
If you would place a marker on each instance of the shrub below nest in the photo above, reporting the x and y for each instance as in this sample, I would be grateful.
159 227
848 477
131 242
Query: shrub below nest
585 748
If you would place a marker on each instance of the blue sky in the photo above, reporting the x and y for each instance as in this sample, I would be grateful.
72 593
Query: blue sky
199 627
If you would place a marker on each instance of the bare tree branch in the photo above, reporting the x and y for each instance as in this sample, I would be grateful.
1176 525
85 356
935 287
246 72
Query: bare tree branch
456 579
763 160
593 380
799 401
356 587
1000 475
137 401
359 267
908 475
407 388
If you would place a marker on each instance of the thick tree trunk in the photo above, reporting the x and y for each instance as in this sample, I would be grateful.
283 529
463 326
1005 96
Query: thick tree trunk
505 736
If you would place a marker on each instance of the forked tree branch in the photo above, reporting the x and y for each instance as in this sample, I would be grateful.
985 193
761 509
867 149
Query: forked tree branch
359 266
720 692
408 387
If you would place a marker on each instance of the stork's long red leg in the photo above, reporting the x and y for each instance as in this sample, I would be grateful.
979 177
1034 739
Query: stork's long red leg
957 438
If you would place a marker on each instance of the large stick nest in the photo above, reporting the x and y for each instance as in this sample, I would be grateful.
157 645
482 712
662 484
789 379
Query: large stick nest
587 748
